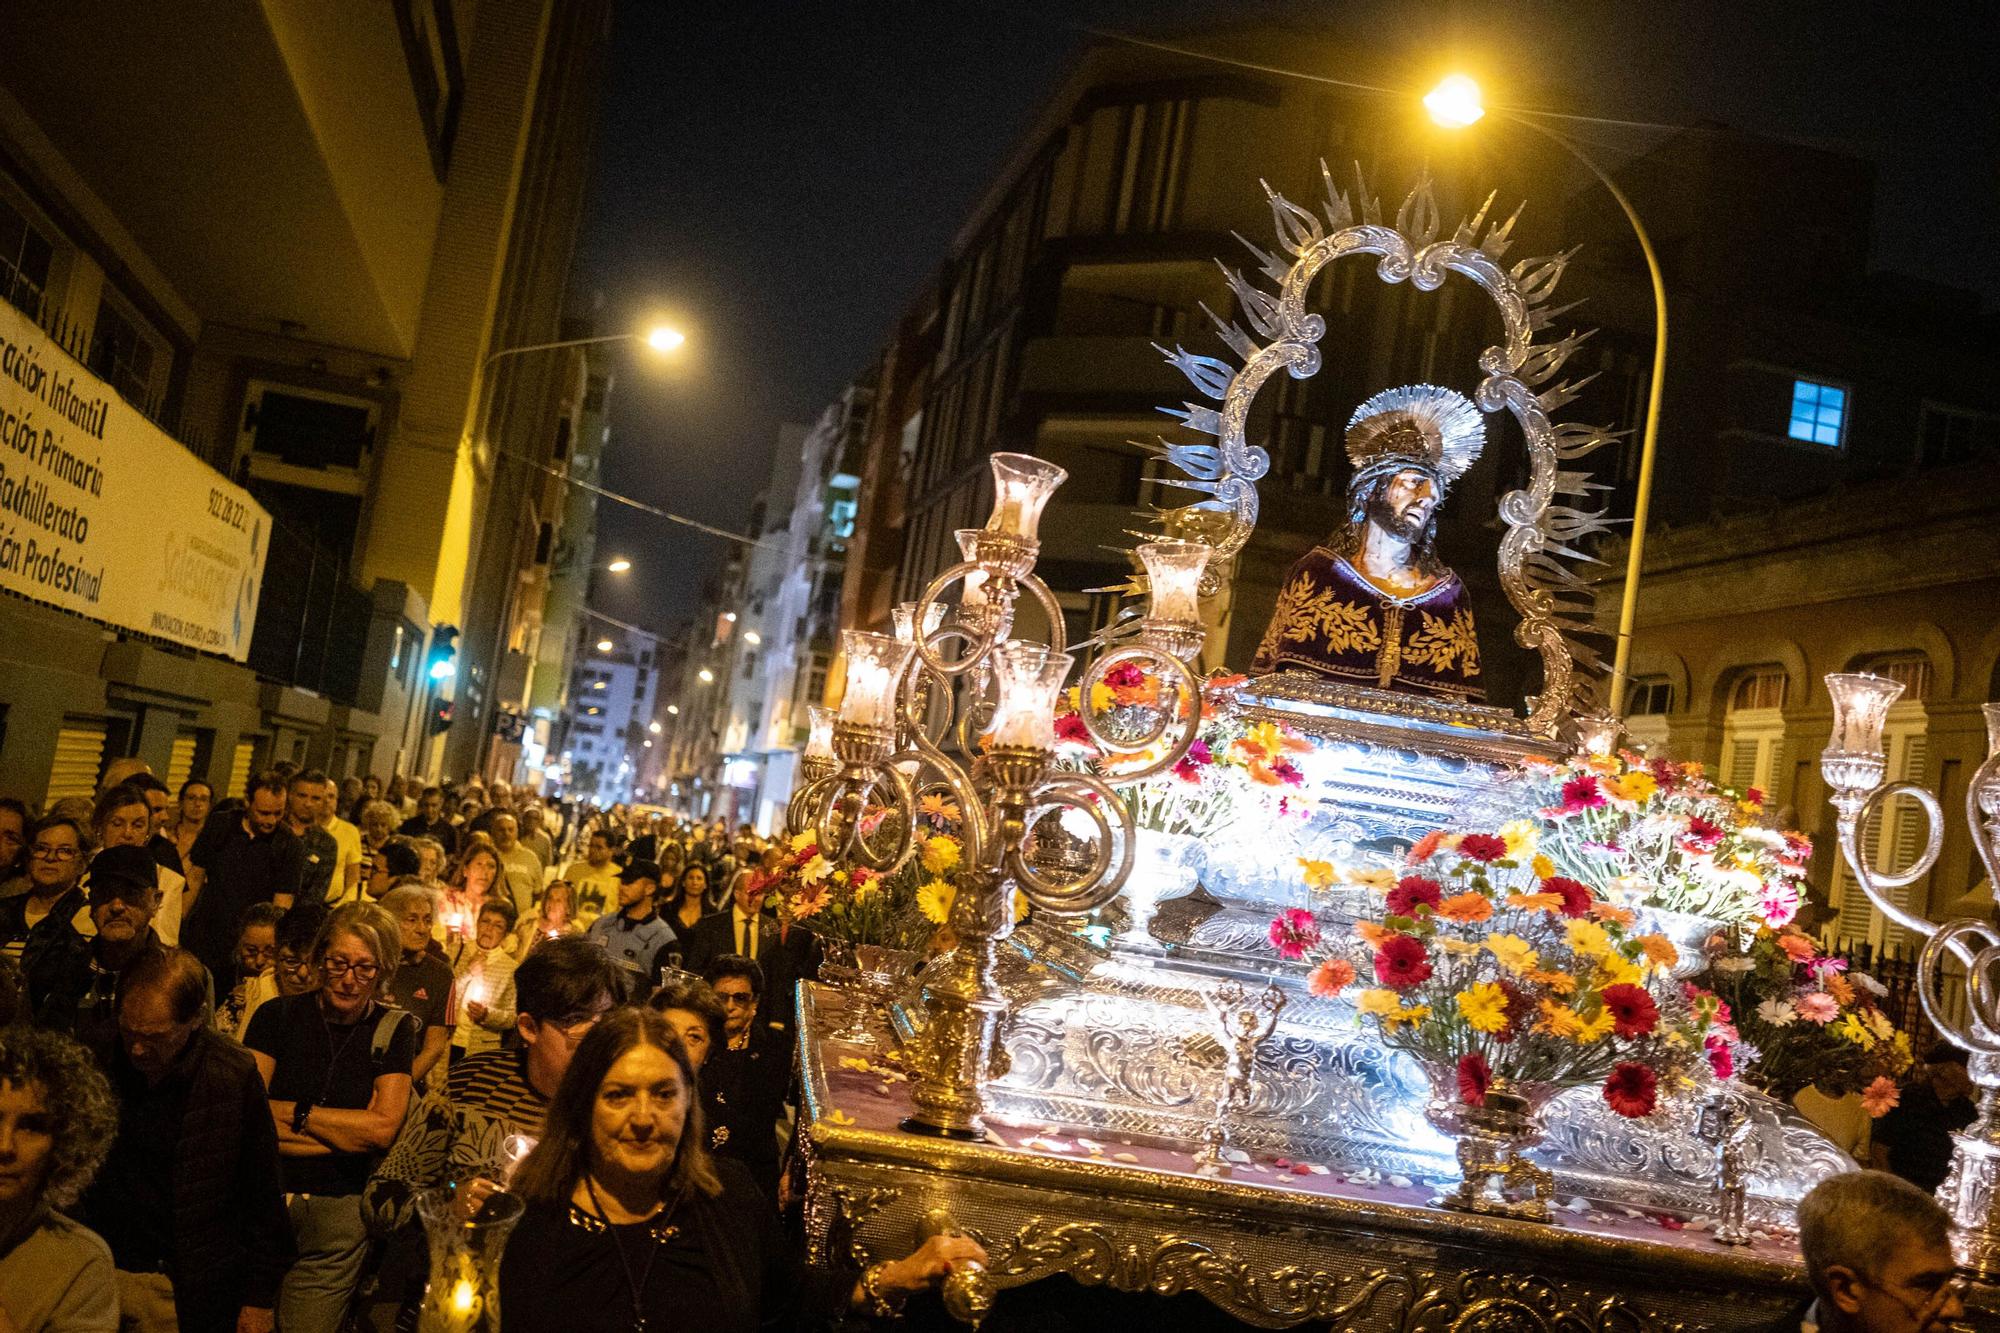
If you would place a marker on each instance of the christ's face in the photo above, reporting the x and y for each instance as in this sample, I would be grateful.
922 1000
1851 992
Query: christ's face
1404 505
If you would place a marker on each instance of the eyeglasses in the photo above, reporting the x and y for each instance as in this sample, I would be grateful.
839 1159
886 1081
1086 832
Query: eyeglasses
340 967
291 962
48 853
732 998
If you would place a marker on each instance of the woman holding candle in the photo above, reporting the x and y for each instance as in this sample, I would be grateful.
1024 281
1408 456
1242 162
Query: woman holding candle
632 1224
485 983
554 919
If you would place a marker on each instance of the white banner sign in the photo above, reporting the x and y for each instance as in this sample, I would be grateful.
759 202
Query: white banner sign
105 514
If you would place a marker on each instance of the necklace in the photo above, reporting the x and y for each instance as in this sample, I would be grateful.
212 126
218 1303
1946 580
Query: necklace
333 1059
637 1287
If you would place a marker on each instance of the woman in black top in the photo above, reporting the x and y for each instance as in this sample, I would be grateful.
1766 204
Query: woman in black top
632 1225
336 1065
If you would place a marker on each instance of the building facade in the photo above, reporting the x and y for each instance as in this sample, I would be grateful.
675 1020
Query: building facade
311 319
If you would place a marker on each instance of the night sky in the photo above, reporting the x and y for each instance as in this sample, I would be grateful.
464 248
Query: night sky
780 178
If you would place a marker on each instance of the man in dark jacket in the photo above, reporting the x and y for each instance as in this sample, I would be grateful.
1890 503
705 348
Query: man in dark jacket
190 1200
75 988
240 858
745 928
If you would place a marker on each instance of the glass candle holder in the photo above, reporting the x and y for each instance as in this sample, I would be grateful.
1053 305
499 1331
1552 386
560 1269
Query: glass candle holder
974 597
819 731
875 665
1860 706
905 618
1173 573
1992 712
1022 485
1029 677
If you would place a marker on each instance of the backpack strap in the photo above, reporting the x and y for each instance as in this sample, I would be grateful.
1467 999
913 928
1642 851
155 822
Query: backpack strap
385 1033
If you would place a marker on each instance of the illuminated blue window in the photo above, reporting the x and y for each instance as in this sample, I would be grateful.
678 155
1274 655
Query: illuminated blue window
1819 412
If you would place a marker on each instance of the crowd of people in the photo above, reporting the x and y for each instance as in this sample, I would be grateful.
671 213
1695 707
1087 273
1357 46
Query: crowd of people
243 1036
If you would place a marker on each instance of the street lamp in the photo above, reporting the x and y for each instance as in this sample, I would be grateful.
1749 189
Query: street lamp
654 726
1454 104
705 676
604 645
661 338
619 566
673 710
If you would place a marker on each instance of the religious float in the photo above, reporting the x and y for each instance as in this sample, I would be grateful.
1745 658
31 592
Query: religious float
1334 993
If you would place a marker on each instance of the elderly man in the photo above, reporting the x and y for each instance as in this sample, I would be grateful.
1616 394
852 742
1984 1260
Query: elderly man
1878 1256
190 1200
75 990
533 836
520 865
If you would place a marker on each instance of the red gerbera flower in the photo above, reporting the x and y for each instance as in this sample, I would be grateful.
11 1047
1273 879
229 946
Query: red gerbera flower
1287 772
1632 1090
1482 847
1519 1009
1720 1059
1701 835
1581 793
1575 896
1755 796
1402 962
1633 1013
1069 727
1666 772
1473 1078
1188 771
1125 676
1411 891
1200 753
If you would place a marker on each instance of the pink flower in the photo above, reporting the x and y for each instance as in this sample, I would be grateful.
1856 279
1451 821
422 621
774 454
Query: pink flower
1293 931
1125 676
1721 1061
1701 835
1188 771
1881 1097
1581 793
1200 753
1411 891
1819 1007
1288 773
1780 903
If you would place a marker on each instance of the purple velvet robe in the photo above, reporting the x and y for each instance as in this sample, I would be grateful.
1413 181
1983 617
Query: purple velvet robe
1332 621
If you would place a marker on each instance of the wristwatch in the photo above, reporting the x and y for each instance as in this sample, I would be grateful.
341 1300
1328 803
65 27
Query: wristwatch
300 1111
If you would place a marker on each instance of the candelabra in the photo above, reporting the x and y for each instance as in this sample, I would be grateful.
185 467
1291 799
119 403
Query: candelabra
1018 809
1854 765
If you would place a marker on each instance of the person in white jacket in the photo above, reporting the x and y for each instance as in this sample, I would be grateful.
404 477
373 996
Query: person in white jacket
485 970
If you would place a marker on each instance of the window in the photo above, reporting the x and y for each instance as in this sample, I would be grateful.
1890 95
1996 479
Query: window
1763 687
1945 435
1753 733
1649 696
121 354
1911 670
25 255
1819 413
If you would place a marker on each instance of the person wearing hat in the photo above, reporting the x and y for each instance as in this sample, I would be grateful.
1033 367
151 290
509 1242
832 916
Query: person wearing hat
1374 606
635 934
75 990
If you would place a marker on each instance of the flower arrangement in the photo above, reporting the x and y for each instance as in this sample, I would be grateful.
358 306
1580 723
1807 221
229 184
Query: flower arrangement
1810 1019
1235 769
1488 964
896 910
1666 835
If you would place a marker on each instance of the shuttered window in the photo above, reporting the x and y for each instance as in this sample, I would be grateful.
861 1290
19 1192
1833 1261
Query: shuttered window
241 761
180 761
79 758
1753 733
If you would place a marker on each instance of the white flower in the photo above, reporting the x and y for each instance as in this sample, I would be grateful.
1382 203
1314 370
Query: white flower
1868 983
1734 965
1777 1013
1760 836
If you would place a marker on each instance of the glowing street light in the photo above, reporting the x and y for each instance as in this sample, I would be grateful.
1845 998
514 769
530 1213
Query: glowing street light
619 566
729 616
1455 103
673 710
654 726
604 645
752 637
663 338
705 676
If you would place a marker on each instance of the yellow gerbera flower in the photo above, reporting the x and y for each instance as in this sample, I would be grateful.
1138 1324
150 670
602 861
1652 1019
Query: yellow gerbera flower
1319 874
1636 786
1458 948
1587 938
1378 879
1514 953
1412 1016
940 854
1591 1029
1101 697
1543 867
1616 969
934 900
1520 835
801 841
1483 1006
815 870
1377 1002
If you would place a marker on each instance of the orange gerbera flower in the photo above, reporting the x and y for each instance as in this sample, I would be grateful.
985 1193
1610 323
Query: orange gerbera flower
1467 907
1604 911
1660 950
1426 846
1372 933
1838 987
1530 902
1562 983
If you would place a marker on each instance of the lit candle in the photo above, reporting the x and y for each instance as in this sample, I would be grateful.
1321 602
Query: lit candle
1173 573
974 596
819 732
1022 485
1029 676
875 664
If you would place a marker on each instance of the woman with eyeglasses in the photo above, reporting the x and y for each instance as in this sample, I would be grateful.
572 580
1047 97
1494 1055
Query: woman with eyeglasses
630 1222
40 919
291 971
336 1064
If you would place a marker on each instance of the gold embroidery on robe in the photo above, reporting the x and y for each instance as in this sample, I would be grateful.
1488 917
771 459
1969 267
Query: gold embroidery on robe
1440 643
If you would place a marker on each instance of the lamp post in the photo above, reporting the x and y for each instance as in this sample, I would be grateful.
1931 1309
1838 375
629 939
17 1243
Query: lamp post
1454 104
661 338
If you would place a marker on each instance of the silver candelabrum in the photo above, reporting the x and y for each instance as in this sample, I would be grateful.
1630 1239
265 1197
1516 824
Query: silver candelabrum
1062 839
1854 765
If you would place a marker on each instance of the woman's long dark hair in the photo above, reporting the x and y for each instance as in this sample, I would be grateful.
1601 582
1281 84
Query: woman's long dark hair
549 1173
681 888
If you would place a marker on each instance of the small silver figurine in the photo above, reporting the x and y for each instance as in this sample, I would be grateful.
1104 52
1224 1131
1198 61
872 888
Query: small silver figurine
1724 1124
1243 1022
